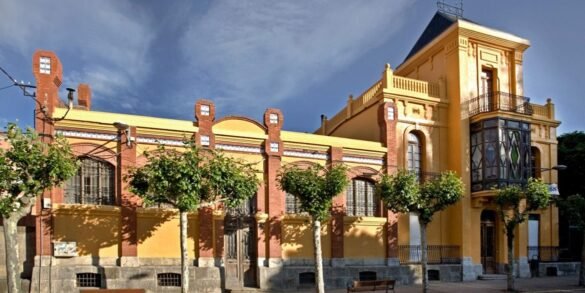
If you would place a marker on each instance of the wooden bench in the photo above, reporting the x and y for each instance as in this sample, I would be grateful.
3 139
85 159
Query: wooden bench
380 285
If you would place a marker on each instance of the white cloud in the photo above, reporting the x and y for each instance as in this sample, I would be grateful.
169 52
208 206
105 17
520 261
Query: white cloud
250 51
110 38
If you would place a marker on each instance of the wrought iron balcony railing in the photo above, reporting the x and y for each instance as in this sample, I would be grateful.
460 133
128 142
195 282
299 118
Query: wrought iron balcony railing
500 101
436 254
550 254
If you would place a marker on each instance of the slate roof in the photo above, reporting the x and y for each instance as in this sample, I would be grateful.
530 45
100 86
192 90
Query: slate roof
438 24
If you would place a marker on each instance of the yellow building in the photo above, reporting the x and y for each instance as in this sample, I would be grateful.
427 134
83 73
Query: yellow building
454 104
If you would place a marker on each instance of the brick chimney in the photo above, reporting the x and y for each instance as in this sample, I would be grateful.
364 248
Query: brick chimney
84 96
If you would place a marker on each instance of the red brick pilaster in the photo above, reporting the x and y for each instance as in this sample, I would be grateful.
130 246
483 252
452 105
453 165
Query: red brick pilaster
337 213
204 138
48 80
128 202
387 119
275 197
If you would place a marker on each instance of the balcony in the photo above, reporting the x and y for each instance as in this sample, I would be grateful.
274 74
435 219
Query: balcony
500 101
551 254
436 254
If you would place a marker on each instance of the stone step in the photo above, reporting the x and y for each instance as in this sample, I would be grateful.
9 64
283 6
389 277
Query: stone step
245 290
486 277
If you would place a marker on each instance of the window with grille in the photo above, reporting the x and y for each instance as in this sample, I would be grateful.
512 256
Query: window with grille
361 199
293 204
89 280
169 280
93 184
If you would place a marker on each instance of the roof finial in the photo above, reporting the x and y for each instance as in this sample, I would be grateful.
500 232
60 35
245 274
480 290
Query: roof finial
455 10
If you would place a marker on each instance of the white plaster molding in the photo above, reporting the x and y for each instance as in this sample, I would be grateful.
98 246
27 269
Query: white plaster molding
309 155
363 160
172 142
90 135
239 148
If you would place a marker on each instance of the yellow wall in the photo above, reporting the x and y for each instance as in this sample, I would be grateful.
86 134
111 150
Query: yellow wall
94 228
297 238
158 233
364 237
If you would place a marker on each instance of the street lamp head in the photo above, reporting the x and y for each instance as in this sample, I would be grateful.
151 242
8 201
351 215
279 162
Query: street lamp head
121 126
559 167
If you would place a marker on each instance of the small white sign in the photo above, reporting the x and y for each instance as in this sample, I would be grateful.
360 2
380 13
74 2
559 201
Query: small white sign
65 249
553 189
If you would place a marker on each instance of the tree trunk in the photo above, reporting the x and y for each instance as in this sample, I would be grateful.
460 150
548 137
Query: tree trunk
13 266
510 236
423 254
184 254
582 269
319 283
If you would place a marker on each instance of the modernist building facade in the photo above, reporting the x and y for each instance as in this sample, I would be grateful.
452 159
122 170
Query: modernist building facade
456 103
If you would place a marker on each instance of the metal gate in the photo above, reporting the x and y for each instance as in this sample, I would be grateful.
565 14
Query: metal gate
240 250
488 242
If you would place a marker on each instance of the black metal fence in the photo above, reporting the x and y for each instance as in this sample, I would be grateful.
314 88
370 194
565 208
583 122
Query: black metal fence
436 254
500 101
550 254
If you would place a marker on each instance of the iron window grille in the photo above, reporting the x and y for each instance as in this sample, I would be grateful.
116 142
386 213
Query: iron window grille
168 280
89 280
93 184
293 204
361 199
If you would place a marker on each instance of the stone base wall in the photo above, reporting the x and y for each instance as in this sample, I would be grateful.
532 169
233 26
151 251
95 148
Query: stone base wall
560 268
60 274
63 278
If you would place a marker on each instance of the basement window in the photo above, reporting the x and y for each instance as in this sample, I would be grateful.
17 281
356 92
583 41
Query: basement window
169 280
368 276
89 280
307 278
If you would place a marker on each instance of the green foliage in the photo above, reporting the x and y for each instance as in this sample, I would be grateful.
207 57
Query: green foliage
315 187
191 178
509 201
31 166
403 193
574 207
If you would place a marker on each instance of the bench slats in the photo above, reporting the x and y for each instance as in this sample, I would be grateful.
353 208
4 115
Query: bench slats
379 285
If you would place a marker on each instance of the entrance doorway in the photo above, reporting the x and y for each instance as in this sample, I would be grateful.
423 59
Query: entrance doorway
240 248
488 241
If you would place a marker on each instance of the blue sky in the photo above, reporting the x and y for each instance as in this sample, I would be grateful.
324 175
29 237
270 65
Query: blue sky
304 57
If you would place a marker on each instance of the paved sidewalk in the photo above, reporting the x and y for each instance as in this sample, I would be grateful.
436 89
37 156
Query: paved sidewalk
544 284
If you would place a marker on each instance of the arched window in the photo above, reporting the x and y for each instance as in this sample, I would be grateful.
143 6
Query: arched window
93 184
535 162
293 204
413 154
361 198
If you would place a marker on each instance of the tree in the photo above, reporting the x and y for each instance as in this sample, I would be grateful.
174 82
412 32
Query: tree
514 203
403 193
27 168
574 207
191 179
571 152
315 187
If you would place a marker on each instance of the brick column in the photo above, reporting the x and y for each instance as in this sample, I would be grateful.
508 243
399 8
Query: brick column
387 119
205 115
128 249
48 80
337 213
273 147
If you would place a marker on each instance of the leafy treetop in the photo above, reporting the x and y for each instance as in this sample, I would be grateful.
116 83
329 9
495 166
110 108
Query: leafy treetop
315 187
403 193
188 179
30 166
510 198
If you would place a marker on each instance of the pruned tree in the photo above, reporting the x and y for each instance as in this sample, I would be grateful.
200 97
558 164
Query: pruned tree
514 203
403 193
574 207
191 179
27 168
315 187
